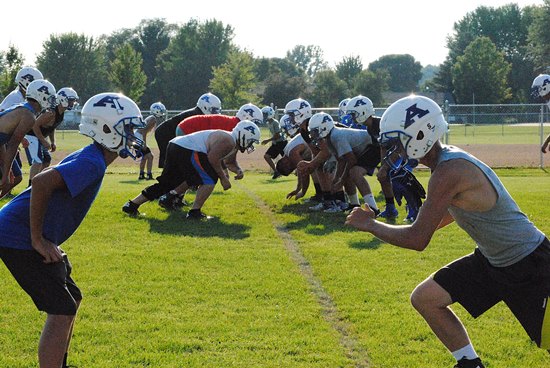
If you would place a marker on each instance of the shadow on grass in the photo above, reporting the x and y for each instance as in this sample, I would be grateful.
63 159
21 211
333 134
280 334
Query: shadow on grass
320 223
177 224
374 243
311 222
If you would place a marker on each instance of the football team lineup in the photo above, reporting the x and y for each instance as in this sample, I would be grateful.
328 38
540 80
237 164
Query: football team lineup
327 268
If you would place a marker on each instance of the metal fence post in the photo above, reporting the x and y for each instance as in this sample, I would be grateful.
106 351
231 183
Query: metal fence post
446 112
541 121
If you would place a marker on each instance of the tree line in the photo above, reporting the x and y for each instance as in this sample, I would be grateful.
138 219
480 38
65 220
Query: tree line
494 53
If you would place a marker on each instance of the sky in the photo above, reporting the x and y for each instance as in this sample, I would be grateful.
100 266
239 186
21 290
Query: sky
365 28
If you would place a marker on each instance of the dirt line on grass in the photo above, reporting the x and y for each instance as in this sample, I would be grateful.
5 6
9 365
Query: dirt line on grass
348 340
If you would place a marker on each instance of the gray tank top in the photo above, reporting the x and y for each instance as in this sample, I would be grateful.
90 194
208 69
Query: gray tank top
504 234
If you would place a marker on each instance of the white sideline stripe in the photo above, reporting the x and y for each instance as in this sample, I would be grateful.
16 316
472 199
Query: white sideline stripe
348 340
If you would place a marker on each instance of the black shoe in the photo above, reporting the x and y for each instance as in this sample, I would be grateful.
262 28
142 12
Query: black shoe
149 177
141 176
196 215
469 363
276 174
376 211
167 201
179 202
131 208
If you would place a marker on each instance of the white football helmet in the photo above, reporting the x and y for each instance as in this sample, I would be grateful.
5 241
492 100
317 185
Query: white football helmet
299 110
158 110
26 75
209 104
67 97
541 86
342 107
110 120
320 125
250 112
42 92
286 125
360 108
268 112
246 134
415 122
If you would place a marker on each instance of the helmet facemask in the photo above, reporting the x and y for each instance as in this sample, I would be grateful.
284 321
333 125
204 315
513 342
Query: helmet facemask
130 145
246 144
396 155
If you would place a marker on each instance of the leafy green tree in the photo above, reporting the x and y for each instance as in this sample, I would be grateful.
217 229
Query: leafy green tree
349 68
280 89
404 71
507 27
279 79
328 89
77 61
152 38
308 59
126 72
12 61
185 68
266 67
481 74
234 81
539 37
371 85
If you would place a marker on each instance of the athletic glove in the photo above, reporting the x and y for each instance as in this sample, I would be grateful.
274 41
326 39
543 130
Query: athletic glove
405 185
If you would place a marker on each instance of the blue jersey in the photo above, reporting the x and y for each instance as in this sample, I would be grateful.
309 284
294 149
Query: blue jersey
82 172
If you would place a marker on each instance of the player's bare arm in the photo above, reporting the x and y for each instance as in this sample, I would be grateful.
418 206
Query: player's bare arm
219 145
45 119
26 121
446 183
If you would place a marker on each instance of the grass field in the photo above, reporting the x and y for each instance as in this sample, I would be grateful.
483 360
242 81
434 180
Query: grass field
458 134
264 284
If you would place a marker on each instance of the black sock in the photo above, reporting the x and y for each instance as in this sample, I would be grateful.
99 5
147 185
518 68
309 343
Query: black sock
390 200
318 190
327 196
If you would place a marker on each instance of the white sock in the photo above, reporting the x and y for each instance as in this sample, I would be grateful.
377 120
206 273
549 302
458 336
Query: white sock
369 200
467 352
353 198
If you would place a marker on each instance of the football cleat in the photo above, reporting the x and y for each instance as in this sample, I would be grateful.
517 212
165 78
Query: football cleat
168 201
469 363
130 208
389 213
197 215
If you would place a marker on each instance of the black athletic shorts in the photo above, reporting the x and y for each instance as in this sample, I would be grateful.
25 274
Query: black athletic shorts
276 149
524 286
370 159
49 285
144 151
181 165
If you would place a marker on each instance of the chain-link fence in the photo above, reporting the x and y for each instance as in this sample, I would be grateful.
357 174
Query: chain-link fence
511 135
500 135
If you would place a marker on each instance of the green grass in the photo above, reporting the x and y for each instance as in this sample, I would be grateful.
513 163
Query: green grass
160 291
495 134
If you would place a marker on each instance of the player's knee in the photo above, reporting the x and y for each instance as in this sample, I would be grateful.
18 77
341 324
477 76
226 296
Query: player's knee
429 295
420 297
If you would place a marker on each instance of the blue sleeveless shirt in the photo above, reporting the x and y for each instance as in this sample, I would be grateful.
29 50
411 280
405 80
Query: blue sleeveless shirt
504 234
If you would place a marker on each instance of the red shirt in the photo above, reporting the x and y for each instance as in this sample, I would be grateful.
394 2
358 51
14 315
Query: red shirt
197 123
